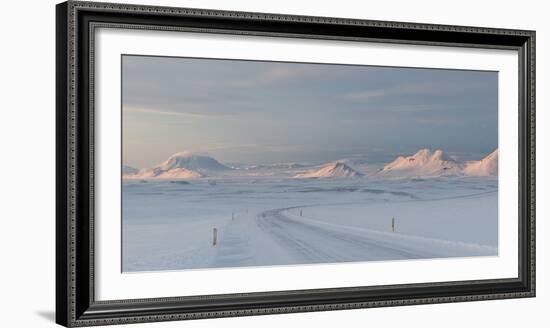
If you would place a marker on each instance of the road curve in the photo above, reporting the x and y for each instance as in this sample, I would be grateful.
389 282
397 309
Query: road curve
308 242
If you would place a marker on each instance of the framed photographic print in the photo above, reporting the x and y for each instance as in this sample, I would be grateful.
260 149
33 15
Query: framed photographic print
214 163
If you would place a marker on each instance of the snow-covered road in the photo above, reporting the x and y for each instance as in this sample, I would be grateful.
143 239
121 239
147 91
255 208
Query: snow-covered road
282 236
314 242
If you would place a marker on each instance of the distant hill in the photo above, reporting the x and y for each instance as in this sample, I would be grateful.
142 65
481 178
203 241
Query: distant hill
331 170
191 161
129 170
183 165
422 164
435 164
485 167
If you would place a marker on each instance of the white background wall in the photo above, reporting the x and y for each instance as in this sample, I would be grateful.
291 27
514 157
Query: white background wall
27 161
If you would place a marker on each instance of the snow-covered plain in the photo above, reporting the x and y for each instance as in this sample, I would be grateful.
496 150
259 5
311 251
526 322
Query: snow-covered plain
268 217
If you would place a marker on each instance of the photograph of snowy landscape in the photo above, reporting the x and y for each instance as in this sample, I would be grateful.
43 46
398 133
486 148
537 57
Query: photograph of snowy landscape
235 163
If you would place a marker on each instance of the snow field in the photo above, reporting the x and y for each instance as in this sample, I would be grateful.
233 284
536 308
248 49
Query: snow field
168 225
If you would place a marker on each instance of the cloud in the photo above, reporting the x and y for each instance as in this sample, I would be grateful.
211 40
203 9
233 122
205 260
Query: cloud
277 73
164 112
445 87
235 147
400 90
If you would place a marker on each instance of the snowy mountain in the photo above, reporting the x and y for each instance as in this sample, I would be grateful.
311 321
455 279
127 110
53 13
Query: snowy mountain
361 165
422 164
158 173
190 161
485 167
184 165
331 170
129 170
180 173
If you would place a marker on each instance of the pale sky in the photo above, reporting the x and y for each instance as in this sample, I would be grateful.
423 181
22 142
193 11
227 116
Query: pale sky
268 112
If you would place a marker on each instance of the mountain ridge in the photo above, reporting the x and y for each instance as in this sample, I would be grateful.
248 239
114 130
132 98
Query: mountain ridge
425 163
181 165
485 167
331 170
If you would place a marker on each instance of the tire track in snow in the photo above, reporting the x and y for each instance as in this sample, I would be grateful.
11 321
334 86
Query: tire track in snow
270 223
321 244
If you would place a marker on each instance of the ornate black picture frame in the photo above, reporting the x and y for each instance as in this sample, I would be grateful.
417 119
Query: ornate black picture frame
75 301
